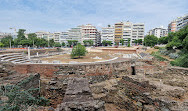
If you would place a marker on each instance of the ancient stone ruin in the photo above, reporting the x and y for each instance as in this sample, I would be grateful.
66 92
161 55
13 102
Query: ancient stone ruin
123 84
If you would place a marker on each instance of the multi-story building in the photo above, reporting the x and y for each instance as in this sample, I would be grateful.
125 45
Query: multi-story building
2 35
182 22
89 32
107 33
138 31
128 30
63 37
42 34
158 32
178 24
172 27
75 34
118 32
56 36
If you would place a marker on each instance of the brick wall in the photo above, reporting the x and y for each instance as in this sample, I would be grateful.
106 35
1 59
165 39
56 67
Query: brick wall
49 70
128 51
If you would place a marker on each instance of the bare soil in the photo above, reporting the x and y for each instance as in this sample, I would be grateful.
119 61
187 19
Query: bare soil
88 58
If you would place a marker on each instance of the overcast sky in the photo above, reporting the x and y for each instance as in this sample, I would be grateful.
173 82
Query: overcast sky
61 15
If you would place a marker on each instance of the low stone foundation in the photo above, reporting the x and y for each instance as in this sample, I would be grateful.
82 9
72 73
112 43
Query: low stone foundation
177 70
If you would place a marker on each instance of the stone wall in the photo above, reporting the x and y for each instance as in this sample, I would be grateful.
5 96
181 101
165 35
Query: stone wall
30 82
177 70
129 94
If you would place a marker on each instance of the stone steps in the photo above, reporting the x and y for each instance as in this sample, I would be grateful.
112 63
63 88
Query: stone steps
14 58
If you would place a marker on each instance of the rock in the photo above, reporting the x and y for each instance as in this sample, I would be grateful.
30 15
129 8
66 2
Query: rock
53 82
177 93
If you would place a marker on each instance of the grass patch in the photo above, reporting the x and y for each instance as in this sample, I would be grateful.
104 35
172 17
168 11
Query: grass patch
157 55
181 61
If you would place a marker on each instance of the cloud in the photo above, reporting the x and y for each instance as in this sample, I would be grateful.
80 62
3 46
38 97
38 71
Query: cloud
60 15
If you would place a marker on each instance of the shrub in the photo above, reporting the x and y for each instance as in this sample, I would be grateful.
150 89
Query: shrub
20 99
181 61
166 52
78 50
173 55
57 45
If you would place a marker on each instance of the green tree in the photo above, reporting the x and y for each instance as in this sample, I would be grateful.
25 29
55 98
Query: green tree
32 36
185 44
41 42
85 42
150 40
78 51
129 42
106 43
20 37
163 40
136 42
51 42
174 43
88 42
140 41
63 44
72 42
21 34
7 40
57 44
122 41
1 44
26 42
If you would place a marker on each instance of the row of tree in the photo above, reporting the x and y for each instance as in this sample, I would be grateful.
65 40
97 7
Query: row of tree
178 40
21 40
33 41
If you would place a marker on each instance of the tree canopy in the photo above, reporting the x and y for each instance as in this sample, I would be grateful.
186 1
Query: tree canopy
122 41
78 51
72 42
178 39
7 40
150 40
106 43
88 42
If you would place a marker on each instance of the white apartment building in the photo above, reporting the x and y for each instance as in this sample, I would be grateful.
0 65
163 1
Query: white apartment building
127 32
107 33
158 32
56 36
42 34
182 22
75 34
89 32
63 37
138 31
123 30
